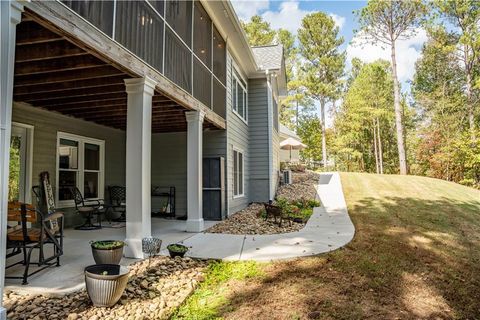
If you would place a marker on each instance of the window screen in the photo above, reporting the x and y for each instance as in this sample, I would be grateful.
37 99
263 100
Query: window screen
99 13
179 16
202 35
219 56
202 85
178 63
140 30
219 98
159 5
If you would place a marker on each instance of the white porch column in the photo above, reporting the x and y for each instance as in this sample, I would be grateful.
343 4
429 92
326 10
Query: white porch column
194 170
138 163
10 16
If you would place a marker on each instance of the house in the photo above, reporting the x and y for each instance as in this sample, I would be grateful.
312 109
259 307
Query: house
139 94
289 155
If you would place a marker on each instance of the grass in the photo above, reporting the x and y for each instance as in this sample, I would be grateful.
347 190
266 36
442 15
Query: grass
415 255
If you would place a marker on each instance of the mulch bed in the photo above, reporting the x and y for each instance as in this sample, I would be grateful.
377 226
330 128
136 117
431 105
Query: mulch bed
249 220
153 292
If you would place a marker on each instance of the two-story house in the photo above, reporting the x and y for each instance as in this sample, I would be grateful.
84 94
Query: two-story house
139 94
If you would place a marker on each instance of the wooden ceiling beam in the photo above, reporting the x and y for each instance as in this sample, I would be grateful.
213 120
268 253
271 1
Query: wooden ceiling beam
69 101
115 110
94 72
74 84
49 50
89 105
123 117
70 93
57 65
29 32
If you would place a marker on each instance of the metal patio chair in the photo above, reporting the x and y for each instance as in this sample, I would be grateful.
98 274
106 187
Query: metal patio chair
118 202
88 208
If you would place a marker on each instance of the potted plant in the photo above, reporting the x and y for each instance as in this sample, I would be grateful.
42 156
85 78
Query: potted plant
177 250
107 251
105 283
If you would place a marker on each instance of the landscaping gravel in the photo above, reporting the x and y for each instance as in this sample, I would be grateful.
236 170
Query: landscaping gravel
153 292
249 220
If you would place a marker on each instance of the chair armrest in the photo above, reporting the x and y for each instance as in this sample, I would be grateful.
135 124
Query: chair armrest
94 203
54 216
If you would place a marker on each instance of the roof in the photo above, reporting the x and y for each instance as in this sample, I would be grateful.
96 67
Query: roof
287 133
269 57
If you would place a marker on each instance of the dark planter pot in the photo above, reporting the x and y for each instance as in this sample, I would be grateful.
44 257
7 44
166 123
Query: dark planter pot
174 254
105 290
107 256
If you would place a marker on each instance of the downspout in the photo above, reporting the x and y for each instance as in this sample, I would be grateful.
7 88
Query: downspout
269 135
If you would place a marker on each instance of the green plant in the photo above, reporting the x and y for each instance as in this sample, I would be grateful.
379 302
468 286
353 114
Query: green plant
105 273
107 244
177 248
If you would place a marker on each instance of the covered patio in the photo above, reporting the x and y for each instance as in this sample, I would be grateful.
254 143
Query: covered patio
62 86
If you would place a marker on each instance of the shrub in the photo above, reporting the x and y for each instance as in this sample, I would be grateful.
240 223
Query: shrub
107 244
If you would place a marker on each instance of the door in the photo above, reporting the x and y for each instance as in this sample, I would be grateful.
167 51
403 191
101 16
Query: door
17 180
213 188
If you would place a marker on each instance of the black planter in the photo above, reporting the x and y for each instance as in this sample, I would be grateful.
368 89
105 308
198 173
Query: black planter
107 256
105 290
174 253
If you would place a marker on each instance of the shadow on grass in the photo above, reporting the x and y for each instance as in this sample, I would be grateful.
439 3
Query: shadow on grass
410 258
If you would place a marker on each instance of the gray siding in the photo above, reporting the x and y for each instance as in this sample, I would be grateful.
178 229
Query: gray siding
259 146
238 138
169 162
47 124
169 167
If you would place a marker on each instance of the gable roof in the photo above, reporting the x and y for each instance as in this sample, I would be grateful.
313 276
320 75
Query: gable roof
285 133
268 57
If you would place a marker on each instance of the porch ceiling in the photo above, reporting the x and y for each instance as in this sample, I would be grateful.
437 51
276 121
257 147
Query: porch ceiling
53 73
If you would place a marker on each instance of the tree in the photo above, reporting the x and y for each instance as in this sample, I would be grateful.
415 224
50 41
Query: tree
259 32
363 126
463 16
387 22
309 130
290 51
323 66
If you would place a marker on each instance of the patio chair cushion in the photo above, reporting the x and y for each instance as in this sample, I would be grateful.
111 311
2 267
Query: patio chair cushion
86 209
33 235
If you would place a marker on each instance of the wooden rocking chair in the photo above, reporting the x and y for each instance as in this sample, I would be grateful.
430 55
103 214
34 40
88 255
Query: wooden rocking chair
24 239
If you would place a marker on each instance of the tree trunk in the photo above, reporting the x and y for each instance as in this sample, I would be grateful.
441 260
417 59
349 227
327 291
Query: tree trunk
375 147
380 147
398 115
296 118
471 118
324 138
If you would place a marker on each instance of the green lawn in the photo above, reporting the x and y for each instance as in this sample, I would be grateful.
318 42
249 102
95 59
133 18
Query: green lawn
416 254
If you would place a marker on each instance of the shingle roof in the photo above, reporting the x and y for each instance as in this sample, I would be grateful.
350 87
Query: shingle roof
268 57
287 132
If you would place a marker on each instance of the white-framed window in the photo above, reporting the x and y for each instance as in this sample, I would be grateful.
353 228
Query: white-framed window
238 169
239 96
81 164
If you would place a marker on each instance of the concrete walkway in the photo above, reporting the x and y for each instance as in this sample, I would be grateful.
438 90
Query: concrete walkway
329 228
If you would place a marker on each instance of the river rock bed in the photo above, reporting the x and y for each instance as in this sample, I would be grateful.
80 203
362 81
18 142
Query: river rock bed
154 291
250 221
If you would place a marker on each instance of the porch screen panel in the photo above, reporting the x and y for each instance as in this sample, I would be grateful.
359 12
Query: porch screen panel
202 35
99 13
178 14
159 5
178 61
219 56
202 85
219 98
139 28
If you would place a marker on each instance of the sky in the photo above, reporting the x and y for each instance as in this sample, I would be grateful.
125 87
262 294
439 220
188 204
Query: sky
288 15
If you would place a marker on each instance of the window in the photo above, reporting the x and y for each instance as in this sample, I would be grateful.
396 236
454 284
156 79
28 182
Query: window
239 96
238 165
80 163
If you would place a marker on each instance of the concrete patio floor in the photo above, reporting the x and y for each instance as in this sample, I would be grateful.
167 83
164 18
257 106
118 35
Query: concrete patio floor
77 255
